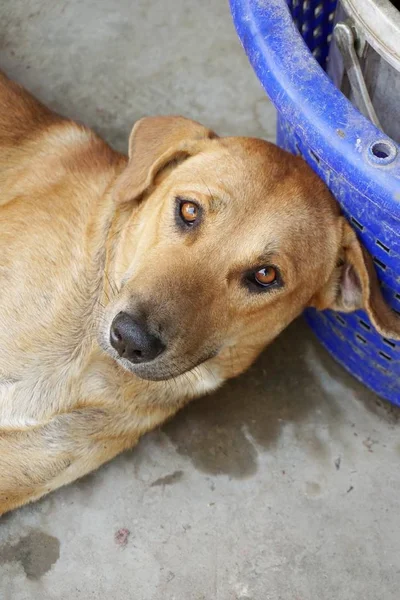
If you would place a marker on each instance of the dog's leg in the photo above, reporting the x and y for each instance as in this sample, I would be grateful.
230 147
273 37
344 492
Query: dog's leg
38 460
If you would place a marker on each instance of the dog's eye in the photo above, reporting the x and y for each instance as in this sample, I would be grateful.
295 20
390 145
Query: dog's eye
189 212
265 276
262 278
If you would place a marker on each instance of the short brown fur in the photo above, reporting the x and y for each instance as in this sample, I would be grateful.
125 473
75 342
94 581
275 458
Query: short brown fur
86 233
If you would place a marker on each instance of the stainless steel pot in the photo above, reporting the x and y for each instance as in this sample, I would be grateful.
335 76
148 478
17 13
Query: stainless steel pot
364 59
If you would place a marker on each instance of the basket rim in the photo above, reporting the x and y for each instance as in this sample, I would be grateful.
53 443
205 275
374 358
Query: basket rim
305 96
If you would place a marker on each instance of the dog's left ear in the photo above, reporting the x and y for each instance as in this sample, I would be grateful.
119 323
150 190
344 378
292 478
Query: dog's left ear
354 285
155 143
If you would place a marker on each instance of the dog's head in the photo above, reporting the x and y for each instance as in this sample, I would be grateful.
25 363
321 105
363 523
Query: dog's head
220 244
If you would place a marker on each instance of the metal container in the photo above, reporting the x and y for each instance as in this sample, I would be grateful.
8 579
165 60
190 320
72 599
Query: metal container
364 60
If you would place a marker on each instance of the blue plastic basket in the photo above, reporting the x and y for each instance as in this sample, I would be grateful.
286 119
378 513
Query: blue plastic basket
287 44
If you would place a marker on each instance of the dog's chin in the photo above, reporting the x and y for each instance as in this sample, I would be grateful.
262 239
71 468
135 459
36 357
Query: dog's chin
147 372
157 370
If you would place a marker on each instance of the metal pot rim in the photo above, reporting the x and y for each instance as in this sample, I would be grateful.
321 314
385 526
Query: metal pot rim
379 21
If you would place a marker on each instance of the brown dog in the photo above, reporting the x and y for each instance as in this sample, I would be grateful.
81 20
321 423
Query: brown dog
127 288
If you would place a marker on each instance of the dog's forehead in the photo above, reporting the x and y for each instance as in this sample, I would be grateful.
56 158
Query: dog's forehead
249 172
267 199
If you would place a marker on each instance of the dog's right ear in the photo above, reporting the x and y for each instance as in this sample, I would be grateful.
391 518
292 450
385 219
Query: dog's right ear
155 143
354 285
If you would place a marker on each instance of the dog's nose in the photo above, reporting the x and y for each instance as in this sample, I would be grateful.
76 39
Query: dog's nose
132 340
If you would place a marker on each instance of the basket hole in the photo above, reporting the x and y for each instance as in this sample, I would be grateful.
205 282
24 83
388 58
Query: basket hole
385 356
380 264
340 320
306 5
357 224
365 325
317 31
331 17
389 343
316 53
361 339
329 38
382 152
298 151
304 28
314 157
318 10
382 245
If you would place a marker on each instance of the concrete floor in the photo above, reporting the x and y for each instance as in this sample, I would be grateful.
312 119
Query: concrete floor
283 486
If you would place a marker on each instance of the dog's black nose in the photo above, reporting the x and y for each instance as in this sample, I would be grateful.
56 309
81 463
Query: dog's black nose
132 340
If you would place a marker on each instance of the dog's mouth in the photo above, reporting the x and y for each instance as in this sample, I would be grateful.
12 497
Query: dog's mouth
163 368
148 352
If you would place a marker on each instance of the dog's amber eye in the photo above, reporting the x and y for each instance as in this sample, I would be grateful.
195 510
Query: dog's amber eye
189 212
262 279
265 276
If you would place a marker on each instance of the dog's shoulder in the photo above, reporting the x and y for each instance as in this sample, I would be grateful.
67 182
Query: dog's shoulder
20 113
39 147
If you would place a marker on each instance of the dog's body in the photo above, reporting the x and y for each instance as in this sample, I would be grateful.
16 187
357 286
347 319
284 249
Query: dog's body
65 406
86 236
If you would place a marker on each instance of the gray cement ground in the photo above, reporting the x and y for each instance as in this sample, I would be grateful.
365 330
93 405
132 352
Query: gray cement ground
283 486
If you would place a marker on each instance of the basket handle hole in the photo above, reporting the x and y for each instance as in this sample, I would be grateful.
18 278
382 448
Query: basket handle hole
382 152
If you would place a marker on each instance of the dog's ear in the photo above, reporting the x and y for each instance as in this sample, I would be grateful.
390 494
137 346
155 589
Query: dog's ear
155 143
354 285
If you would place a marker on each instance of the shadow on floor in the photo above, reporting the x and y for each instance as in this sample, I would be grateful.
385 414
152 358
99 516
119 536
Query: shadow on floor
294 383
294 377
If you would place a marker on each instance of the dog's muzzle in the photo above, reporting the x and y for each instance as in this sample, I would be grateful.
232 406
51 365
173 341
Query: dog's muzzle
130 337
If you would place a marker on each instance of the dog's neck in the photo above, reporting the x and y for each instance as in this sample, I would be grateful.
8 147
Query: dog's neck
119 217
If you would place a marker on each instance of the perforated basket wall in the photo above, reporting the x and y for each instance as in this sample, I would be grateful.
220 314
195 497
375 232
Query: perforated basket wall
287 44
